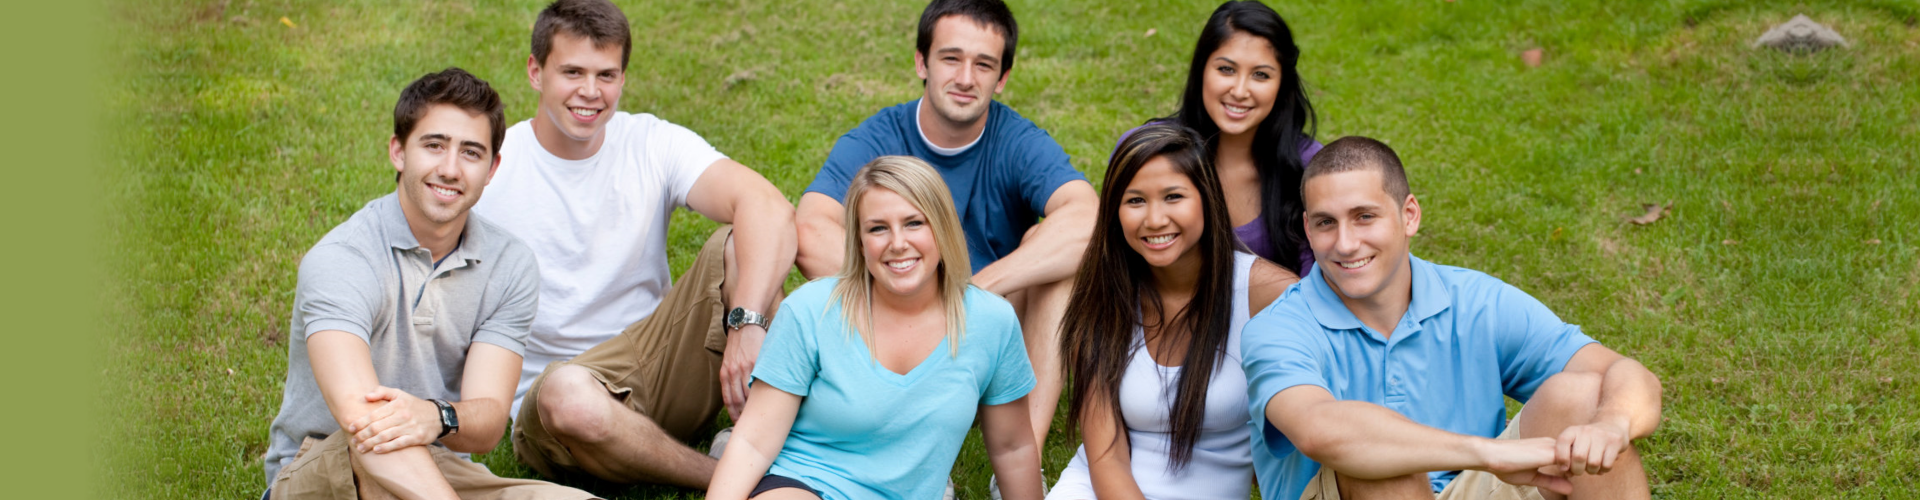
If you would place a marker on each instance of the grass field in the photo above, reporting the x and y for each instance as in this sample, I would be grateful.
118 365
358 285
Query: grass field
1775 300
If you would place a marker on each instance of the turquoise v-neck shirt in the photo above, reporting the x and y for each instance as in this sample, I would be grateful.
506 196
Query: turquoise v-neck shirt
1467 342
864 431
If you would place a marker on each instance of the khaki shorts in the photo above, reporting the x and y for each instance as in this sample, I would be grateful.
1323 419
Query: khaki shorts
324 469
665 366
1468 485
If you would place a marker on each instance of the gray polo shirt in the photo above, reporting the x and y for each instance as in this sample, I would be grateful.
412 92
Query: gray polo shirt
371 278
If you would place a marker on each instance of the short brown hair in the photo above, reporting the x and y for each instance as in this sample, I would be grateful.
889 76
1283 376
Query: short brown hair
1356 153
451 86
596 20
993 14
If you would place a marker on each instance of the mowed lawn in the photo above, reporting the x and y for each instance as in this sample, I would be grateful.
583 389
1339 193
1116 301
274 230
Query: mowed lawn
1776 299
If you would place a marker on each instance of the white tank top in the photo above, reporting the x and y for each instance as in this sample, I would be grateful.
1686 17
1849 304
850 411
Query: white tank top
1222 465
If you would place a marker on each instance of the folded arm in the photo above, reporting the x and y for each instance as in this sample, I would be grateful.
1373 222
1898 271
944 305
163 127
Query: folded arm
822 234
343 367
763 249
1051 250
1368 441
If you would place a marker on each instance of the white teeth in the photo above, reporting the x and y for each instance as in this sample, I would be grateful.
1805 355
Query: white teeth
903 264
586 112
444 191
1236 109
1355 264
1156 240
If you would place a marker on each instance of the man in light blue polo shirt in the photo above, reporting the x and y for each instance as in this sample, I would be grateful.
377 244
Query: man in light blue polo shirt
1381 375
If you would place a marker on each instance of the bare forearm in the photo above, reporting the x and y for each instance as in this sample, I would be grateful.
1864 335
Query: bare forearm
1018 467
408 473
763 241
822 236
1630 396
1369 441
1052 253
482 422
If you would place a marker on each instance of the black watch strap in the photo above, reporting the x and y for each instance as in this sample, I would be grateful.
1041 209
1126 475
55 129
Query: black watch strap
449 420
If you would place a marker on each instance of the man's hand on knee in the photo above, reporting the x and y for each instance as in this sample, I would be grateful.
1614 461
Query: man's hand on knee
1525 462
1591 448
402 422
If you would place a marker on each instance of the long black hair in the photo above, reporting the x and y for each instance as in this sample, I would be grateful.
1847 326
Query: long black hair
1279 139
1115 288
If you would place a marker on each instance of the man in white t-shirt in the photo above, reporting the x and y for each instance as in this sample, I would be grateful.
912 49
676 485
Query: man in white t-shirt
622 370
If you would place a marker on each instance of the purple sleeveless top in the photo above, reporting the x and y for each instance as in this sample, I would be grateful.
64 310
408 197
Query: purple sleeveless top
1254 233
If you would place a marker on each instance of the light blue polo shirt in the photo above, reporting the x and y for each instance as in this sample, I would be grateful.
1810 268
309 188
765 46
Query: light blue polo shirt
865 432
1468 340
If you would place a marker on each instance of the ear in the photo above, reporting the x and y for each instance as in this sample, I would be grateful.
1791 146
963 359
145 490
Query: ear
1002 84
533 72
397 153
1410 212
920 64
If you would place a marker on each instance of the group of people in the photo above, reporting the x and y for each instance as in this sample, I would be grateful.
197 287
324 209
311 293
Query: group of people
1237 305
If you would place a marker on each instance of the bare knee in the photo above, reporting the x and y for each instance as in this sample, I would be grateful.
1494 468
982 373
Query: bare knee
1571 395
574 405
1410 486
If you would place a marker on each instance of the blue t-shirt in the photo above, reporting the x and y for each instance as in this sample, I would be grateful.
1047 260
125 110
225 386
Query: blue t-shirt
1468 340
864 431
1000 185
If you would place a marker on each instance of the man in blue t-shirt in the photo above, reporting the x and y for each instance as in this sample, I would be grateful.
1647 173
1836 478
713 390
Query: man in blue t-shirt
1004 172
1381 375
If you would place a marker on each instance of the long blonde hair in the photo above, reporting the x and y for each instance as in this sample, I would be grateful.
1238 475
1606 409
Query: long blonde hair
922 187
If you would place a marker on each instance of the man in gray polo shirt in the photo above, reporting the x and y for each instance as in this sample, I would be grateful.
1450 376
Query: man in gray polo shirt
410 320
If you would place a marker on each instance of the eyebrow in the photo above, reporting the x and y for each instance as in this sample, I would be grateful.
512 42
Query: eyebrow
957 50
445 137
1236 63
1362 208
1167 189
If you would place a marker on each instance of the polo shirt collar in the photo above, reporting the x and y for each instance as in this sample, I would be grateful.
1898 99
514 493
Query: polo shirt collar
1430 297
400 236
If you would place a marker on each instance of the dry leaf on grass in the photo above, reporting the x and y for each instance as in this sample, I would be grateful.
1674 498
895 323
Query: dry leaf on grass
1654 213
1874 241
1729 242
1150 32
288 22
1532 57
738 78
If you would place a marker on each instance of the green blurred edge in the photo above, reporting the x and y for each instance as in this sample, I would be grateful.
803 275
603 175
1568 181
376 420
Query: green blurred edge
51 265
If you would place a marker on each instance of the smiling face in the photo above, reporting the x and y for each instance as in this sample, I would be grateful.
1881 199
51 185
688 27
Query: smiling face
579 91
444 164
1162 217
1241 83
962 70
1359 235
898 245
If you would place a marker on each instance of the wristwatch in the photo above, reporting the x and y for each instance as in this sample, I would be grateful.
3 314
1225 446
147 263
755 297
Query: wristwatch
740 317
449 421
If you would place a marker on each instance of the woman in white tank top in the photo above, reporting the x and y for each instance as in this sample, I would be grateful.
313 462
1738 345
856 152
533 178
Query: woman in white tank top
1152 333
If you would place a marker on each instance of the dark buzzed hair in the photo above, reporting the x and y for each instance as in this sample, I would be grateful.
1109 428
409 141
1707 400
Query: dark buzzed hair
596 20
993 14
455 87
1355 153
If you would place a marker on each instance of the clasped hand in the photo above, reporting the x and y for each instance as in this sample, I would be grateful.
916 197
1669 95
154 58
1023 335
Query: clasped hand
402 422
1547 462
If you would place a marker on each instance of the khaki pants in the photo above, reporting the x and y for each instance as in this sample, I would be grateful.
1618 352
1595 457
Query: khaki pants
665 366
324 469
1469 485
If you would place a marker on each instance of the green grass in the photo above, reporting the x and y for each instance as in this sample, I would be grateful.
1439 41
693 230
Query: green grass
1776 301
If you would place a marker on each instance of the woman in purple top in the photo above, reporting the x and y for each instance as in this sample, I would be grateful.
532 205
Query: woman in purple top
1244 95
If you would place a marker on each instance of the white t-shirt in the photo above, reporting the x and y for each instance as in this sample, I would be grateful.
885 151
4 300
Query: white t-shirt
1222 465
598 227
